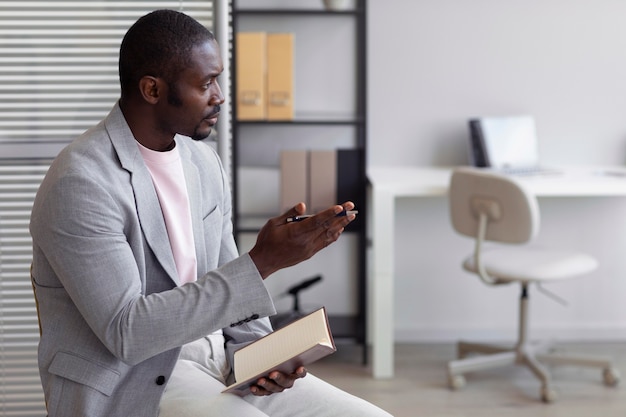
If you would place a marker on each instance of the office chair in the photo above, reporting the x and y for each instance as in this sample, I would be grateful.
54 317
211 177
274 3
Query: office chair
495 208
282 319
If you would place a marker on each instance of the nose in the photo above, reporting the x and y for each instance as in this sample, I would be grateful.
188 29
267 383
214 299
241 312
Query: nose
216 96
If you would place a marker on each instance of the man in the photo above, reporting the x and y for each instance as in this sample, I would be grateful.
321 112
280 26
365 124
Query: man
142 295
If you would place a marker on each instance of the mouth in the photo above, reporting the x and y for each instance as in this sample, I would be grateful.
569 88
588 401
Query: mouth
212 119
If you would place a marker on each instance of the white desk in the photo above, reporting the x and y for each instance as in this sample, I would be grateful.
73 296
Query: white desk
390 183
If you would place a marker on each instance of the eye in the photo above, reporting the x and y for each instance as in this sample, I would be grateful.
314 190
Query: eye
208 85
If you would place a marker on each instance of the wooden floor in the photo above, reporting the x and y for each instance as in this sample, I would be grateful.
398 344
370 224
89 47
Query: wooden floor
419 387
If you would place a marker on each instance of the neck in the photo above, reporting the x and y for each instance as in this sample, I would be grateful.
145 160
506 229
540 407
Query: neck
144 128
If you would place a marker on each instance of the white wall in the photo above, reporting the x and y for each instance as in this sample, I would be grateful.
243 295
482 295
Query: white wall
434 64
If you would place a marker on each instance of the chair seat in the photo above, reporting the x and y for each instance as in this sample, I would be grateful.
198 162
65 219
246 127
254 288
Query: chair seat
533 264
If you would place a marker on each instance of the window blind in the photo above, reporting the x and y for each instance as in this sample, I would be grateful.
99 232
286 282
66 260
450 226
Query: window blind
58 71
20 391
58 77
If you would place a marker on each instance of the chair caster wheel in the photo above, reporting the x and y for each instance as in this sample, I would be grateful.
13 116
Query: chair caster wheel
456 381
611 377
548 395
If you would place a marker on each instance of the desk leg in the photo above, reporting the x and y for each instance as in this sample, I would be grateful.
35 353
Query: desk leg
381 296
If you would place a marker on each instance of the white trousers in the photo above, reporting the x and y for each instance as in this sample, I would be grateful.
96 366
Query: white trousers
194 390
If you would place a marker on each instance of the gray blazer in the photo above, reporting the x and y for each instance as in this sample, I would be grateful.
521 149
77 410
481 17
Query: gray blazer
112 314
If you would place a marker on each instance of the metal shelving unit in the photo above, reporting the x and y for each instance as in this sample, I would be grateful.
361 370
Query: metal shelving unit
344 327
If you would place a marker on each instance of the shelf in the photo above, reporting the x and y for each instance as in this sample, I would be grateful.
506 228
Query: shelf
304 121
314 117
296 12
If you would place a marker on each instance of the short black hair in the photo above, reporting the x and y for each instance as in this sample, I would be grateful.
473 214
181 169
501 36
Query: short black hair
159 44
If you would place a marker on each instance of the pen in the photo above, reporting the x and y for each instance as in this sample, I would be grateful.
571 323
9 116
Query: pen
306 216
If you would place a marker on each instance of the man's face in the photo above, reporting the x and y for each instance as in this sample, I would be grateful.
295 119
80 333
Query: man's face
193 101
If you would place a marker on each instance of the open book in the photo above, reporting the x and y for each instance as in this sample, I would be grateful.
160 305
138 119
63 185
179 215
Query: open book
299 343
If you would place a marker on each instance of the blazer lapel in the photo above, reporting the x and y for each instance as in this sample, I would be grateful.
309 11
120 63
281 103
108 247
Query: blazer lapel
152 222
146 200
194 191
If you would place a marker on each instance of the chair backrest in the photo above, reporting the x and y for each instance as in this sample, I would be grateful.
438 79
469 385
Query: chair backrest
512 211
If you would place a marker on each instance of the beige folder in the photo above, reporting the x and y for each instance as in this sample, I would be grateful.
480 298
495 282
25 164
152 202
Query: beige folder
294 173
251 72
280 76
322 179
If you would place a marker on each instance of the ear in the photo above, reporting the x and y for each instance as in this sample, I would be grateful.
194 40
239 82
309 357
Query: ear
150 88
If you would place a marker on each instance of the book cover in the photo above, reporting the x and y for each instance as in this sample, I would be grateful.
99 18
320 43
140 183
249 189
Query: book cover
251 72
300 343
294 178
280 76
322 180
350 177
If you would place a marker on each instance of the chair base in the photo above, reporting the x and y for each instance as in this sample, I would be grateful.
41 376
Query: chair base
525 354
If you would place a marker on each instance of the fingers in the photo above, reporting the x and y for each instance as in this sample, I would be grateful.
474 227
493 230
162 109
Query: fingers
338 214
326 226
348 205
333 216
277 382
296 210
281 243
330 224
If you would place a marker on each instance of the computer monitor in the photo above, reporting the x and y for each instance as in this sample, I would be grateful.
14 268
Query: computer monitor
504 142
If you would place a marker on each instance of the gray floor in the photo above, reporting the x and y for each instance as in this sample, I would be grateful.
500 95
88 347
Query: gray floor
419 387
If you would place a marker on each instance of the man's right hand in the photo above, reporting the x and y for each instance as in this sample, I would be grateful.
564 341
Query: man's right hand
281 244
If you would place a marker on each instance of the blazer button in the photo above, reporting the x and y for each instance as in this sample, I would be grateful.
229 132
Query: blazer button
160 380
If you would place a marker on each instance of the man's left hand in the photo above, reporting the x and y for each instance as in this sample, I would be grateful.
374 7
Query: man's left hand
276 382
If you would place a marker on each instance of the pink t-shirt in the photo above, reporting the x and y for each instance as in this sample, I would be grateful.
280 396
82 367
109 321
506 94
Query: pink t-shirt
168 177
